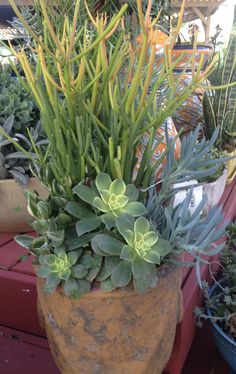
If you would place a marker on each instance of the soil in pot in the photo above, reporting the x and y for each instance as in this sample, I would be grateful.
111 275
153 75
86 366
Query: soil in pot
120 332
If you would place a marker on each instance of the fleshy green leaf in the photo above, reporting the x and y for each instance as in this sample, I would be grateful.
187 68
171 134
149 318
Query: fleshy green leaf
85 193
84 285
127 253
142 225
70 286
103 274
50 259
121 275
53 280
107 243
43 271
129 237
109 220
163 247
73 257
78 210
64 274
152 257
87 224
93 272
79 271
57 237
24 240
100 205
125 222
117 187
122 201
105 195
135 209
108 286
141 269
151 238
103 181
111 262
132 192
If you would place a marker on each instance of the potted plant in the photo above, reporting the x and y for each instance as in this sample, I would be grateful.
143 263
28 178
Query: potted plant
107 243
219 105
14 177
220 302
19 118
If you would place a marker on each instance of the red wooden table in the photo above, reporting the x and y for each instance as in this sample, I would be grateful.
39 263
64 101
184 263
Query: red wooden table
22 342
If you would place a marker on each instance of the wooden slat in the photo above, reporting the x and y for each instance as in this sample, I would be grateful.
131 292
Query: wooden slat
5 238
25 267
10 254
18 306
21 353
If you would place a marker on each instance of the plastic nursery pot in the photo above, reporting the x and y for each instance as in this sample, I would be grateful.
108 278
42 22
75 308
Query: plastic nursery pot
231 167
213 191
14 216
225 344
116 332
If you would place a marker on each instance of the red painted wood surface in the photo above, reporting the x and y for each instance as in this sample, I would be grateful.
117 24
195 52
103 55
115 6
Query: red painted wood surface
22 353
203 357
18 306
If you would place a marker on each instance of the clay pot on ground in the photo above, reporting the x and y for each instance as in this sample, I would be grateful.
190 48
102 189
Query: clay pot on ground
119 332
14 215
213 191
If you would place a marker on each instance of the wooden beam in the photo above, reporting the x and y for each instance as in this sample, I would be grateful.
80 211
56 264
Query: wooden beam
200 15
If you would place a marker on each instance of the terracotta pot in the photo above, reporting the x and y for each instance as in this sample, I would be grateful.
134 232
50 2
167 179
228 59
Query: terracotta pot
213 191
119 332
14 216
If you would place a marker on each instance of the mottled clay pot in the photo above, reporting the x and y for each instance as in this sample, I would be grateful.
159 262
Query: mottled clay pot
14 215
119 332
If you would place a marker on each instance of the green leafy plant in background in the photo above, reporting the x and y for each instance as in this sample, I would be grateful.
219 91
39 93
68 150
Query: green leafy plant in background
15 163
15 100
219 106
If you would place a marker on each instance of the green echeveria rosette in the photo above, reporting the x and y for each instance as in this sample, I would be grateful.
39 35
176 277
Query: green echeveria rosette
109 199
61 267
117 198
137 258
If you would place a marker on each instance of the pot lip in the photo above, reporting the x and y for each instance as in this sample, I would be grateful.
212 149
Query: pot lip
209 312
189 47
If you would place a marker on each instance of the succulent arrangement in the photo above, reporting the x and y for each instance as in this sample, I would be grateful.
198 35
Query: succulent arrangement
96 88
